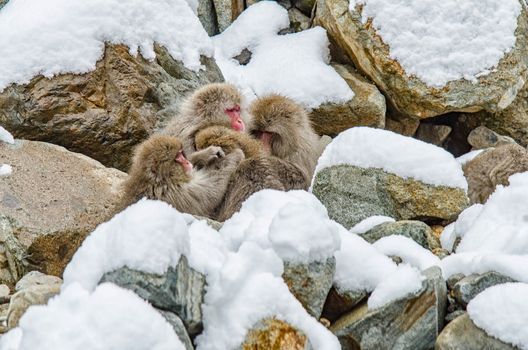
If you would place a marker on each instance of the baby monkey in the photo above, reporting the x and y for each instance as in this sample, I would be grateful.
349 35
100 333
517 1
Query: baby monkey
161 170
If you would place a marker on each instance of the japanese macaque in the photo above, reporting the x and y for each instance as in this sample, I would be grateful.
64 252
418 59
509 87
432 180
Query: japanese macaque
229 140
493 167
285 130
291 148
212 105
160 170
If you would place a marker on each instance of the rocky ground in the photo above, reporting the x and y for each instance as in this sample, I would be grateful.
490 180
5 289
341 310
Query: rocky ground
75 134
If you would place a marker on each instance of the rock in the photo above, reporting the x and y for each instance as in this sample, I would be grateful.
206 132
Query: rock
105 113
367 107
493 167
431 133
415 230
180 290
402 125
179 328
310 283
48 205
207 16
227 11
244 57
305 6
36 278
275 334
409 95
482 137
468 287
340 302
298 21
410 323
352 194
35 294
4 291
462 334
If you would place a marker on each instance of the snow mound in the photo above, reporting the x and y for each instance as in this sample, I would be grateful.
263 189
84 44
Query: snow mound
408 250
293 65
149 236
443 41
294 224
109 318
369 223
400 155
67 36
5 170
5 136
501 225
404 281
502 311
246 290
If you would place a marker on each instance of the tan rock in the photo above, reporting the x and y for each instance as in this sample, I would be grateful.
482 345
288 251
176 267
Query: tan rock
105 113
50 202
482 137
274 334
403 126
409 95
367 107
431 133
21 301
227 11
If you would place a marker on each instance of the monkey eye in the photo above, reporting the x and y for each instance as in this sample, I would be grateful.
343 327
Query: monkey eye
236 108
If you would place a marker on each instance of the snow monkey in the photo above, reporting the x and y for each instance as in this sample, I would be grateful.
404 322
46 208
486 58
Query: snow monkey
213 104
229 140
493 167
160 170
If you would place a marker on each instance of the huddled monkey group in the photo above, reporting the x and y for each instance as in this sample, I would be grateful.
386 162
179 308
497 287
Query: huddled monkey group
214 154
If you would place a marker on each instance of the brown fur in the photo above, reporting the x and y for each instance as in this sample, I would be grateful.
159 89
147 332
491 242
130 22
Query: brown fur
293 137
155 174
229 140
493 167
205 107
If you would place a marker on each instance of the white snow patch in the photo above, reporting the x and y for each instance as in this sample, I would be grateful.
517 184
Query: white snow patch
400 155
5 170
501 225
408 250
149 236
5 136
109 318
463 159
294 224
67 36
406 280
369 223
443 41
502 311
247 289
294 65
448 237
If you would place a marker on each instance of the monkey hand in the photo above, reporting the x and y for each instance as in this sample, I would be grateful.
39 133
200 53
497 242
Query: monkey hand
207 157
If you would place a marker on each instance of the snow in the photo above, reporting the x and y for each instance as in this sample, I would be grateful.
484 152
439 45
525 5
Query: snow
502 311
501 225
443 41
5 170
294 65
404 281
448 237
108 318
408 250
463 159
149 236
400 155
295 224
369 223
5 136
67 36
467 218
246 290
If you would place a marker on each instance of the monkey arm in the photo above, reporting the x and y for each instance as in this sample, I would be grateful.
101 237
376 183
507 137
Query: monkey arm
211 155
229 140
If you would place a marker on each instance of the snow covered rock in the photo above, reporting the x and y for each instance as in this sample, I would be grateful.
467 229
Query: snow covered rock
462 334
103 113
51 202
366 108
275 334
426 58
418 231
468 287
180 290
310 283
493 167
401 323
